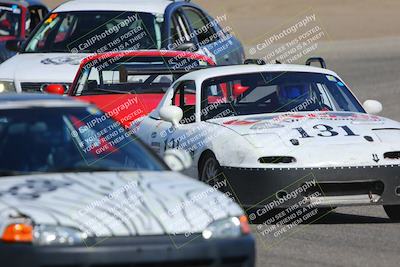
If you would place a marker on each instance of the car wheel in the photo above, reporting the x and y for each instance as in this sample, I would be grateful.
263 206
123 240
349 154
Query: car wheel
393 211
210 171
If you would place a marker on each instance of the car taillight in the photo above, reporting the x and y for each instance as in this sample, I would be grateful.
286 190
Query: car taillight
18 233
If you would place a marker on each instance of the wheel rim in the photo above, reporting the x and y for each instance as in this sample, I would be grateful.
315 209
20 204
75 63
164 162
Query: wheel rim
210 169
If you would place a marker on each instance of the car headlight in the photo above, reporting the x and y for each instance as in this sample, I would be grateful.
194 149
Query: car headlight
227 228
57 235
7 86
42 234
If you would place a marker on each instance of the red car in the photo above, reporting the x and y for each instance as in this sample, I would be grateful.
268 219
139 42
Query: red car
17 21
129 85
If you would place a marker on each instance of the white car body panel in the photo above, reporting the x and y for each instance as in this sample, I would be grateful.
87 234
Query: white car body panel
41 68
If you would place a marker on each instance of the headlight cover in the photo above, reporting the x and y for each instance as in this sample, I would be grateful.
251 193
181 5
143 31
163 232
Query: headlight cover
227 228
44 235
7 86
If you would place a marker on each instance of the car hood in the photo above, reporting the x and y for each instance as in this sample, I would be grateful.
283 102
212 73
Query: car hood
317 139
313 124
115 204
41 67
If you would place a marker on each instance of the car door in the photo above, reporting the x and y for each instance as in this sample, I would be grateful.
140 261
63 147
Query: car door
163 135
211 39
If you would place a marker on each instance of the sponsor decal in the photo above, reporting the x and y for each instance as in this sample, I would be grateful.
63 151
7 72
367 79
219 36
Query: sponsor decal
337 116
375 158
331 78
71 60
51 18
33 189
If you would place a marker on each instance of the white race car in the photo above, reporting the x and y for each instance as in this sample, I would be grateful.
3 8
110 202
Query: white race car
268 127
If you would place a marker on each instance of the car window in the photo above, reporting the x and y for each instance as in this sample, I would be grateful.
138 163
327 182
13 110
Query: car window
100 31
10 20
201 25
179 29
256 93
35 15
185 98
69 139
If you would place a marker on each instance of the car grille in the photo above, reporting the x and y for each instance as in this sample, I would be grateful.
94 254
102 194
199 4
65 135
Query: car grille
29 87
348 188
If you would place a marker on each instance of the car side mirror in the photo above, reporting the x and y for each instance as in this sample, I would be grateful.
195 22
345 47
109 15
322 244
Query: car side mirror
373 106
172 114
55 89
14 45
189 46
177 160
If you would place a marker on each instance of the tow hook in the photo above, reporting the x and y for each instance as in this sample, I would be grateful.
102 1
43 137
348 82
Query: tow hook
371 199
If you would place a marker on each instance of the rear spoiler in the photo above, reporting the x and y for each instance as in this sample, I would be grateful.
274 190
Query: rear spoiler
256 61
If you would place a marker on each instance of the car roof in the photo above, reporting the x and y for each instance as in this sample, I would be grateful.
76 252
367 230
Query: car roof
147 53
201 75
12 101
147 6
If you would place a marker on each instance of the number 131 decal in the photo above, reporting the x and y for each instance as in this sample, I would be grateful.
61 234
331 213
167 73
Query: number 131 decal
326 131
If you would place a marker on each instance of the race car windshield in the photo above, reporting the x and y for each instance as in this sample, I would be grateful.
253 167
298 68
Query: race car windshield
133 74
42 140
96 32
10 17
273 92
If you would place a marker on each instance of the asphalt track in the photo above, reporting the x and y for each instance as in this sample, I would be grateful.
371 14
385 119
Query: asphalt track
351 236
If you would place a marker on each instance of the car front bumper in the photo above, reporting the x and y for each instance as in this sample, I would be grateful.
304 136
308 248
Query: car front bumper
135 251
341 186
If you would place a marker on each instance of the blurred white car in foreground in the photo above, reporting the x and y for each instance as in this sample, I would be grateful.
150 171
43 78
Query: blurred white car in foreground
76 189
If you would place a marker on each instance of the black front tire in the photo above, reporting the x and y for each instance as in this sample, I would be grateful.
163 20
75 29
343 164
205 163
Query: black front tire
210 171
393 211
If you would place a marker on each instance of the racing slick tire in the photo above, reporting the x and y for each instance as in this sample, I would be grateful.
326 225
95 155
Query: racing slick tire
210 172
393 211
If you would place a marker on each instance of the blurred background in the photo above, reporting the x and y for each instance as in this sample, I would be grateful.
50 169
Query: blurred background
362 41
